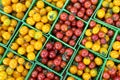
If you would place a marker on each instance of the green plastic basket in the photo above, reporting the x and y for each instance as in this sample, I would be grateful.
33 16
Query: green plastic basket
105 65
116 60
77 41
99 70
111 40
46 4
15 36
39 64
99 1
95 17
14 16
54 38
18 24
6 52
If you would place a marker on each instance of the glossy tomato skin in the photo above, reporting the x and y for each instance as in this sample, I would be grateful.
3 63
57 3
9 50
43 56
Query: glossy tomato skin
82 9
56 78
91 56
38 68
92 65
73 1
81 1
31 78
49 46
68 22
115 17
46 79
103 41
65 39
71 17
52 54
80 24
72 42
63 16
69 7
84 41
63 64
89 12
92 24
77 5
85 17
74 23
50 75
62 51
80 14
110 33
73 10
59 35
69 51
57 68
57 61
81 66
57 26
74 37
44 60
34 74
87 4
118 38
78 58
106 75
58 45
69 33
84 53
41 76
109 20
44 53
118 24
94 2
78 32
50 63
94 37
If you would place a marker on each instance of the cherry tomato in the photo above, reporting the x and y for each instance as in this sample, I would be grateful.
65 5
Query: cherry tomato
81 66
44 53
80 24
77 5
78 58
87 4
69 33
50 75
71 17
69 51
59 35
49 46
63 16
58 45
52 54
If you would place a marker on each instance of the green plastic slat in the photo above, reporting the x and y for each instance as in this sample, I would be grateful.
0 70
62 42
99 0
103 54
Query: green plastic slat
116 60
99 70
15 36
62 72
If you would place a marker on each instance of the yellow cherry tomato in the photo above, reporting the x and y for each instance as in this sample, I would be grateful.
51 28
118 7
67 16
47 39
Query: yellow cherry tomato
30 21
30 48
21 50
3 75
96 29
7 9
23 30
38 45
79 72
88 44
114 54
116 9
116 2
116 45
70 78
93 72
39 25
73 69
20 68
6 61
10 55
9 70
86 61
2 50
36 17
100 13
86 76
6 35
98 61
21 61
40 4
88 32
110 64
96 47
103 51
31 56
31 33
45 28
87 70
105 3
13 63
38 35
14 46
59 4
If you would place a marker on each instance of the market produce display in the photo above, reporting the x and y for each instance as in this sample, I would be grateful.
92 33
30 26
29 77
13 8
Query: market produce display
41 16
55 55
111 71
86 65
57 3
68 29
7 28
28 42
16 8
116 48
59 40
82 8
97 38
40 73
109 12
14 67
